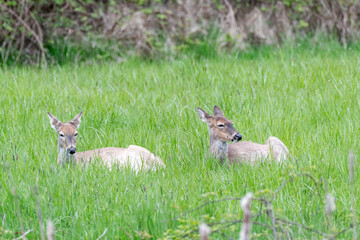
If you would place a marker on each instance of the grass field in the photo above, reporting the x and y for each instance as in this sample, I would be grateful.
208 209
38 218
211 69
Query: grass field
307 97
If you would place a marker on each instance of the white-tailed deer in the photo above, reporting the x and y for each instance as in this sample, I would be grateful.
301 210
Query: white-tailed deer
222 131
135 157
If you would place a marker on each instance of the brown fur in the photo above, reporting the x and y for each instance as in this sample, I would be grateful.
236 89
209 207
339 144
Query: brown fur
222 131
135 157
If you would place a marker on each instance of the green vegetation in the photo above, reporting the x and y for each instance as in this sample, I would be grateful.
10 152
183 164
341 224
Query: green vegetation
48 32
308 97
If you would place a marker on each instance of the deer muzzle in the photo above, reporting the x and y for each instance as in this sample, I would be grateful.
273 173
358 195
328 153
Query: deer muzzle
72 150
237 137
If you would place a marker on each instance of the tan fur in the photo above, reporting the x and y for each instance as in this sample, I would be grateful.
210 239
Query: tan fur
135 157
251 152
248 151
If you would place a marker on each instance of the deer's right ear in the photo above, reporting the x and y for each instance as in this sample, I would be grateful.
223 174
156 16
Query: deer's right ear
55 123
204 116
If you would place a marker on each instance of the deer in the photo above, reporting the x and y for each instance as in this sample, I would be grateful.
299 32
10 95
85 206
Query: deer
222 132
135 157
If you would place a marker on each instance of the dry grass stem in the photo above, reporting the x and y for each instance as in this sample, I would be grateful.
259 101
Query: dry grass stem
50 230
204 231
245 232
351 174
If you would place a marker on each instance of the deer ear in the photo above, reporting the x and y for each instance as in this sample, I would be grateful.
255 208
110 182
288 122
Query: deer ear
76 121
204 116
55 123
217 111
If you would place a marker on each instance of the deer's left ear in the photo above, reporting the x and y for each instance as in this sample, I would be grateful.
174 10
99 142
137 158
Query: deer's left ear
76 121
217 111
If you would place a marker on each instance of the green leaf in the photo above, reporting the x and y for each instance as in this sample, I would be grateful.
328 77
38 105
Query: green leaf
12 3
8 27
59 2
161 16
303 24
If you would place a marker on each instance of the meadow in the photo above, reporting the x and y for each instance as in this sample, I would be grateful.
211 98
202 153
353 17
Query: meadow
306 96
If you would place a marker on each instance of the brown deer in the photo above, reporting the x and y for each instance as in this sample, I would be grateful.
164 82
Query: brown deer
135 157
222 131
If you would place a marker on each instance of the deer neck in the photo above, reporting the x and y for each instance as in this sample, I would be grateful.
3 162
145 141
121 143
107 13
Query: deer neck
218 148
64 157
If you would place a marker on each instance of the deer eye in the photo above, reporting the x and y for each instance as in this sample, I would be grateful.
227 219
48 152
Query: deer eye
75 134
221 125
61 135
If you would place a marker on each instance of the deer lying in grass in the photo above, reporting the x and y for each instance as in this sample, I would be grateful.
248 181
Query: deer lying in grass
135 157
222 131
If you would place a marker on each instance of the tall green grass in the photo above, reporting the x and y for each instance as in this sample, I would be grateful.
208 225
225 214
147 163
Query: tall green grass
308 97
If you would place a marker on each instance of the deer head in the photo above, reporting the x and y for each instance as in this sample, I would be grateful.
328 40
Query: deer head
220 128
66 135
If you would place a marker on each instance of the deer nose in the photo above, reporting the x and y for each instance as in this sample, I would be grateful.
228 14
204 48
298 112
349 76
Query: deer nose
237 137
72 150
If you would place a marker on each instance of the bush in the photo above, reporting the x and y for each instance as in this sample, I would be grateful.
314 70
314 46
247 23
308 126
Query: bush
72 30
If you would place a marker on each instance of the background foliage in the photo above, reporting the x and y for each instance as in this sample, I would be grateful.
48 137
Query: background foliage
57 31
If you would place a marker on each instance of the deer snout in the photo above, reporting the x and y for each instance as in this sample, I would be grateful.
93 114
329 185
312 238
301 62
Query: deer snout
72 150
237 137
